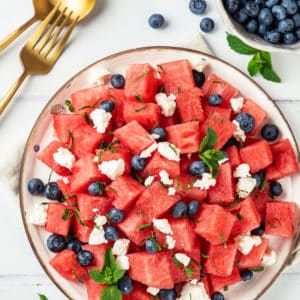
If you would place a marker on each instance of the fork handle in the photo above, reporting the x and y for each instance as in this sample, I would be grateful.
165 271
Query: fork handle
6 99
12 36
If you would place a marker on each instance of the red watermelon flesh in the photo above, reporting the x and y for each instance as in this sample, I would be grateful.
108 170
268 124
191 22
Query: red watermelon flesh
65 188
93 289
138 293
118 96
98 252
260 199
168 121
225 112
234 156
82 230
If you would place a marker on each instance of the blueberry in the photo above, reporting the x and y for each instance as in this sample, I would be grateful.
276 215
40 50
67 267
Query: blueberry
270 132
74 245
279 12
107 105
276 188
116 215
290 6
35 186
273 37
231 142
125 285
296 19
297 33
241 16
259 177
246 275
161 132
95 188
193 207
197 7
271 3
85 258
167 294
199 78
214 99
197 168
298 3
138 163
111 233
262 29
232 6
179 210
117 81
207 25
245 121
156 21
217 296
286 25
36 148
251 26
265 16
52 191
259 230
251 9
151 246
56 243
289 38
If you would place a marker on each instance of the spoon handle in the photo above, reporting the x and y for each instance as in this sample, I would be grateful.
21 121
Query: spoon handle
12 36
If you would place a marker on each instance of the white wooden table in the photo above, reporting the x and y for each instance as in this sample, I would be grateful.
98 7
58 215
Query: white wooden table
114 25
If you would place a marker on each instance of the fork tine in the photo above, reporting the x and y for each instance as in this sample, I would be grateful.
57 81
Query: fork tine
43 26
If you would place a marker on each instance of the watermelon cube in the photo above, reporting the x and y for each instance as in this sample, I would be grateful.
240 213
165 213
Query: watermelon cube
279 218
260 199
93 289
141 80
143 268
168 121
257 155
82 230
234 156
214 223
185 136
118 96
98 252
65 188
124 191
224 112
138 293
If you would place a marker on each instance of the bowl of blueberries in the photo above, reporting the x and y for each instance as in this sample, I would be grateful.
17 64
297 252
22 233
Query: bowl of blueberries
270 25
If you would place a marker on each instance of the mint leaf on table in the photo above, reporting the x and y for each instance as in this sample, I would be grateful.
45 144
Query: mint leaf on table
261 61
42 297
111 292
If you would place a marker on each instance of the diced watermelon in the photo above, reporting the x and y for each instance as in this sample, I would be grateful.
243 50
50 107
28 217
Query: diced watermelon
144 269
124 191
189 105
225 112
138 293
280 218
185 136
260 199
66 264
234 156
214 223
67 192
118 96
141 80
168 121
98 252
257 155
82 230
134 137
55 222
93 289
176 76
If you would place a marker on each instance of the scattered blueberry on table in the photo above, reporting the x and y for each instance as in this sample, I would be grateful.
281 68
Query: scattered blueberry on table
156 21
197 7
207 25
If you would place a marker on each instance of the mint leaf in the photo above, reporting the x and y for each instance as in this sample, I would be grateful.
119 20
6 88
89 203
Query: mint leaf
269 74
118 274
253 67
176 262
97 276
266 57
111 292
109 260
70 106
239 46
189 270
212 165
209 140
42 297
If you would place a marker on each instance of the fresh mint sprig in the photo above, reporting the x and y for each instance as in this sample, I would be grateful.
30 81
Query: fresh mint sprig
261 61
42 297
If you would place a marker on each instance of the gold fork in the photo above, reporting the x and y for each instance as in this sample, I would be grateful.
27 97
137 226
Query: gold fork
43 48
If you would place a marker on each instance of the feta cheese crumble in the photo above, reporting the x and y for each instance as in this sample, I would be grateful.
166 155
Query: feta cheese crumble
65 180
38 214
245 243
162 225
112 168
166 103
165 178
148 151
245 186
194 291
122 262
97 236
152 291
205 182
155 136
237 104
239 133
100 220
183 258
171 191
199 64
242 171
269 258
170 242
64 157
120 247
169 151
149 180
100 119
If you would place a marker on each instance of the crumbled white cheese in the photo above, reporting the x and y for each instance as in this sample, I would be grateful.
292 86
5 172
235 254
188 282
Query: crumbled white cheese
149 180
38 214
148 151
242 171
152 291
205 182
223 161
100 220
269 258
122 262
239 133
96 159
166 103
100 119
237 104
120 247
162 225
165 178
104 76
65 180
183 258
194 290
97 236
112 168
245 243
245 186
199 64
170 242
169 151
64 157
171 191
155 136
95 209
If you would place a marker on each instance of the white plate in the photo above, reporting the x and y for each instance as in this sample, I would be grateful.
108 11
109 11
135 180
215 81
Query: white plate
42 132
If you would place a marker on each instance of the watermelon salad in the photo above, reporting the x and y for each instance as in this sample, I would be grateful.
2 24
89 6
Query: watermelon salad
167 185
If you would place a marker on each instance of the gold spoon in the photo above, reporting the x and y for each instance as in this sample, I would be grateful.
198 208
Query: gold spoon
42 8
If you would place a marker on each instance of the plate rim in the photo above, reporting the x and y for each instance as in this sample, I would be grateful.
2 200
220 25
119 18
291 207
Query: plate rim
43 112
